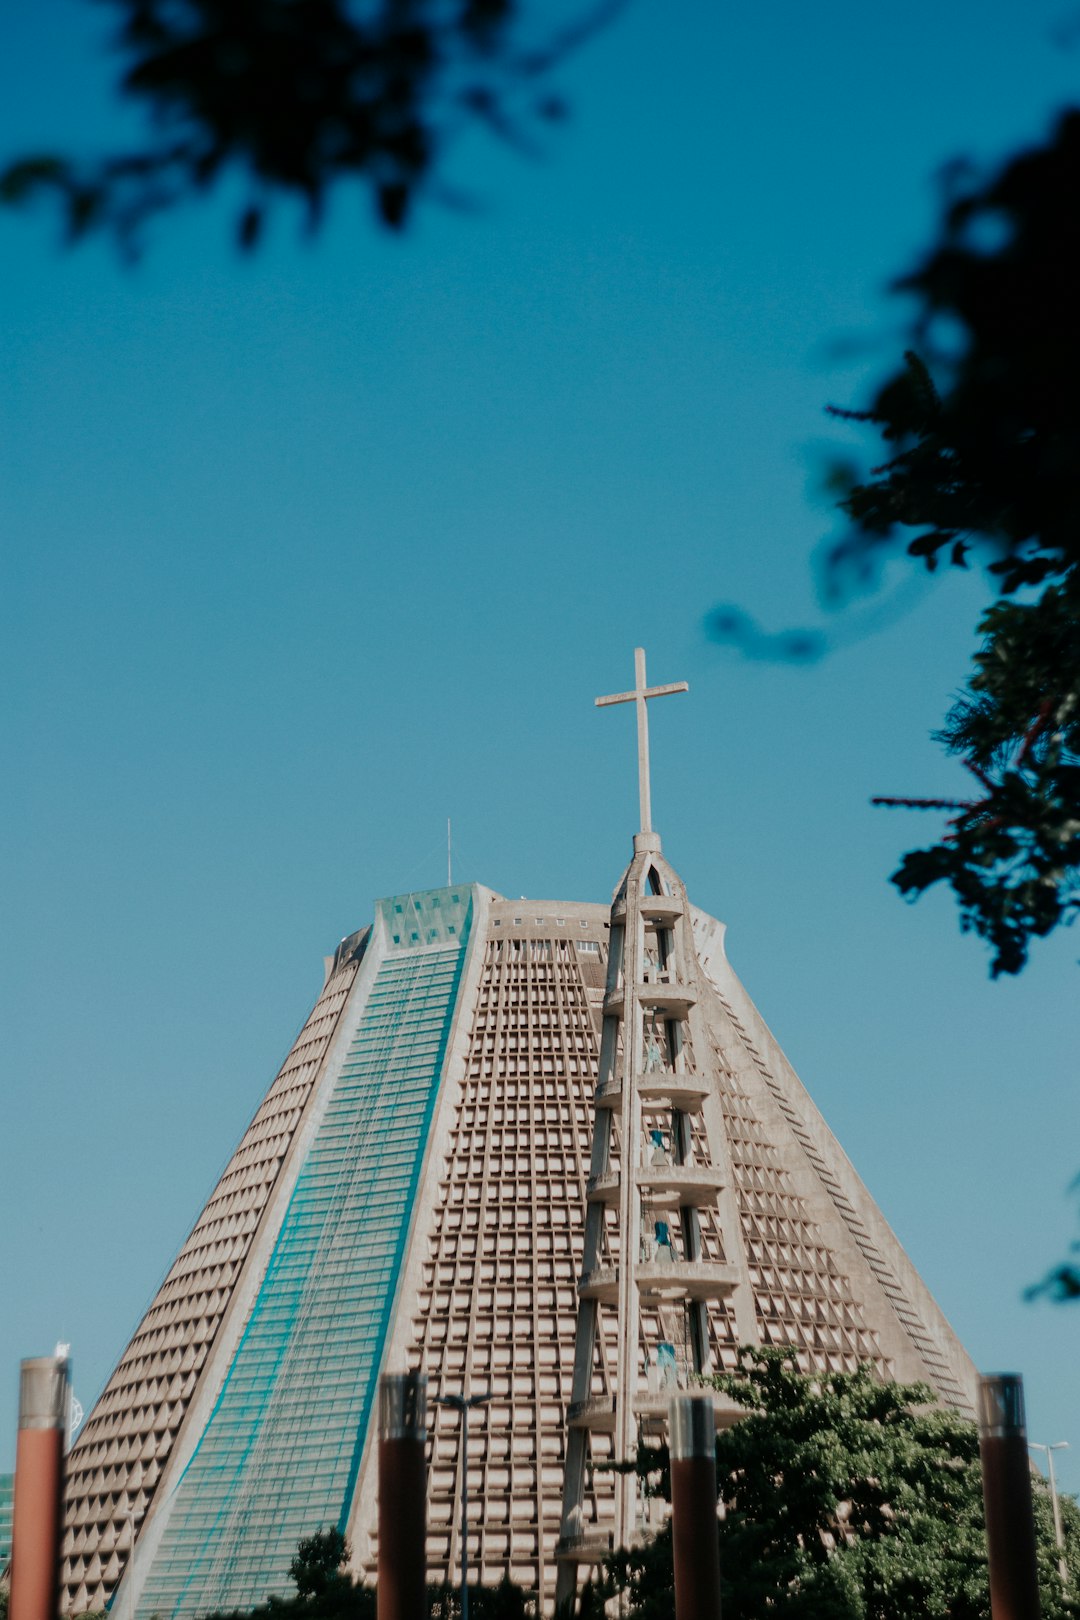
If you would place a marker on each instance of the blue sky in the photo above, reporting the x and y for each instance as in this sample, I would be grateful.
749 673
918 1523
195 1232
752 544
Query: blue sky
306 552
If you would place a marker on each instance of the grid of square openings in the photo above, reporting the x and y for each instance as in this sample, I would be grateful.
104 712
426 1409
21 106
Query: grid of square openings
279 1455
114 1467
801 1297
499 1302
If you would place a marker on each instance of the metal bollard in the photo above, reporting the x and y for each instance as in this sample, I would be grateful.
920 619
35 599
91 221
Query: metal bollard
44 1396
694 1539
1010 1524
402 1588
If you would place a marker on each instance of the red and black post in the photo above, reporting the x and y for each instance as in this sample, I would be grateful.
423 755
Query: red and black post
694 1539
44 1401
1010 1523
402 1589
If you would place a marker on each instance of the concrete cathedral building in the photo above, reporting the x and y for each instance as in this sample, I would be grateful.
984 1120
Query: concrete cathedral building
546 1149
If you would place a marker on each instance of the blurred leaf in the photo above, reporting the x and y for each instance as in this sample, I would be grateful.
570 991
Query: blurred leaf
297 97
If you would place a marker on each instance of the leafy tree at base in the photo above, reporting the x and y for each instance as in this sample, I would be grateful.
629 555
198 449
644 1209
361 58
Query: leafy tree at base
844 1499
316 1568
325 1591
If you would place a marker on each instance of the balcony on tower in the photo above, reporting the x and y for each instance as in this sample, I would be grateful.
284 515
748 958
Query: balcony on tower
664 909
658 990
601 1283
663 1276
689 1185
592 1547
664 1270
603 1188
597 1412
659 1087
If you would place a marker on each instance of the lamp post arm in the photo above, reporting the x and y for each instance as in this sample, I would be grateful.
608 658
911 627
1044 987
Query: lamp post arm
465 1510
1059 1534
1055 1502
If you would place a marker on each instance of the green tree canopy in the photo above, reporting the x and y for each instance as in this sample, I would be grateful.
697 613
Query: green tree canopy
317 1565
844 1499
324 1590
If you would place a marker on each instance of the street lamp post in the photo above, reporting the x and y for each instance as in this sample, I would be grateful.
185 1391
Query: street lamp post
459 1403
1059 1534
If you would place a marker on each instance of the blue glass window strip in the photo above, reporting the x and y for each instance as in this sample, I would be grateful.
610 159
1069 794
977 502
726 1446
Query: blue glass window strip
7 1496
279 1456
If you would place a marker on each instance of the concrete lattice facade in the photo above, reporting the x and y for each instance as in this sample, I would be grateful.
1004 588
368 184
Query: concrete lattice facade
496 1302
116 1465
412 1192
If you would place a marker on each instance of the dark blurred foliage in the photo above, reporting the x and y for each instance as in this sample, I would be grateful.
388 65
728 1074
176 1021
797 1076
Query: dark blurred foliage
981 430
316 1567
503 1602
325 1592
1012 851
296 96
984 465
1063 1283
844 1499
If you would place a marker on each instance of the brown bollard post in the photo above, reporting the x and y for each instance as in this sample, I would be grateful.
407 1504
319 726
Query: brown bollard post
694 1537
402 1588
39 1473
1010 1524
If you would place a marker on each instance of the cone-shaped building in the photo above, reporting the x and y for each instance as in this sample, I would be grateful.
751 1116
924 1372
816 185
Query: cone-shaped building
542 1149
413 1191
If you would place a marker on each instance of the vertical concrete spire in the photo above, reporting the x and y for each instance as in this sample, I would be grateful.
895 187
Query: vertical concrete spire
662 1245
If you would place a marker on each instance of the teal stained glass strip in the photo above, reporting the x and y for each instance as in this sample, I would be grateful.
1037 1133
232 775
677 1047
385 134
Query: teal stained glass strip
7 1496
279 1456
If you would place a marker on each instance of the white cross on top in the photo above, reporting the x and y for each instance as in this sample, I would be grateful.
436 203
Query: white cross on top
640 695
